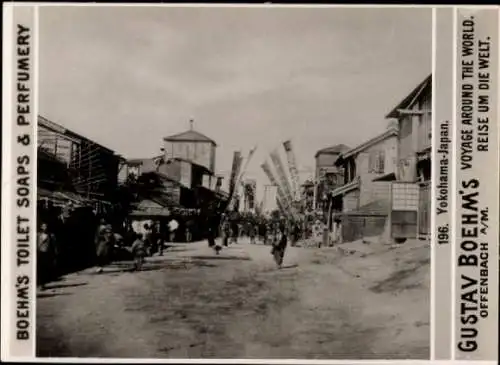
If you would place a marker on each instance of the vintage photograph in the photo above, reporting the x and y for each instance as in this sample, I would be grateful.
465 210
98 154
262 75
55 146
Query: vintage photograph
234 182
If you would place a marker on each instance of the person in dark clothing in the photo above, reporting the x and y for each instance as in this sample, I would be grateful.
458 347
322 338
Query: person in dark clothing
225 232
251 230
188 231
105 243
212 229
279 245
262 231
234 232
138 251
295 233
47 253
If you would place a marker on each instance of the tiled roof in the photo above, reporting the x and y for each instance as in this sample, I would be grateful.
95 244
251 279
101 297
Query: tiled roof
411 97
338 148
190 135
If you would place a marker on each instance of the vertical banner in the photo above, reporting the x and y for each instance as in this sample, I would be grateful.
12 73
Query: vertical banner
284 183
442 112
18 182
247 162
234 172
281 196
270 198
280 205
240 172
292 166
477 185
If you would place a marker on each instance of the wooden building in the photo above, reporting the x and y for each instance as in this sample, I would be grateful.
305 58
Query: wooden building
191 146
90 169
328 176
414 117
363 200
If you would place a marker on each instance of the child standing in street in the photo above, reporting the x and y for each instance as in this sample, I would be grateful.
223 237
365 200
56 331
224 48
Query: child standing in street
138 251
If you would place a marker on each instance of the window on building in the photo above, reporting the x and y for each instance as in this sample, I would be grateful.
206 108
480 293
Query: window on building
406 127
381 162
376 163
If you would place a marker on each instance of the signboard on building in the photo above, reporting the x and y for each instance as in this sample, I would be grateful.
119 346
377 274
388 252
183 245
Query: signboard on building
206 181
405 196
404 212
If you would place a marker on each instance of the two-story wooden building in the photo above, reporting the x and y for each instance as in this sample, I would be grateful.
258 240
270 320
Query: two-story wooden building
87 167
191 146
185 170
414 116
363 199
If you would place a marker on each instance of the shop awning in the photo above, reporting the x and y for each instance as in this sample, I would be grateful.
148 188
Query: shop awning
151 212
387 177
75 198
346 188
60 197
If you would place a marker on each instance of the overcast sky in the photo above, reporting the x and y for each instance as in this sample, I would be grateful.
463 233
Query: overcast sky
128 76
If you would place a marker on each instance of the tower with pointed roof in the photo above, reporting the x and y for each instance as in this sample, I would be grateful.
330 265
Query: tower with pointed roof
193 146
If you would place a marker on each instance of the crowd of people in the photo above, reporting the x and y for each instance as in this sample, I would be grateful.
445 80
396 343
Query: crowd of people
72 238
275 231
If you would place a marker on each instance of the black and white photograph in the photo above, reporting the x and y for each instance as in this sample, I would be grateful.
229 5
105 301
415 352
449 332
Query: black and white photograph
234 182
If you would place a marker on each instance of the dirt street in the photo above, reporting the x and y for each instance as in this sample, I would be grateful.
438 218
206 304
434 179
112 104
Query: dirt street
359 301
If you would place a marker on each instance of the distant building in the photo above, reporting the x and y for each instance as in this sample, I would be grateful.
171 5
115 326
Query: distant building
363 166
191 146
134 167
249 193
328 176
91 169
308 191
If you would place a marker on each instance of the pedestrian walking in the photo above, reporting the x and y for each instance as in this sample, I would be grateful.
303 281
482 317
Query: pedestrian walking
159 238
212 229
188 232
172 227
279 245
139 252
105 243
318 229
262 227
252 232
225 232
46 256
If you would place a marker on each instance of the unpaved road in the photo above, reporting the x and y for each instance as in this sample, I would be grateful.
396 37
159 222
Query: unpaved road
324 304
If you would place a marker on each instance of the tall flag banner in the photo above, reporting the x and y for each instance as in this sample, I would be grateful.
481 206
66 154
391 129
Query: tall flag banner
292 166
240 172
281 197
245 167
236 194
284 183
280 205
234 172
270 198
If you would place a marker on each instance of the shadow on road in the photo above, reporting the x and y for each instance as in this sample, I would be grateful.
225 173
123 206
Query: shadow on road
62 286
221 258
50 295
